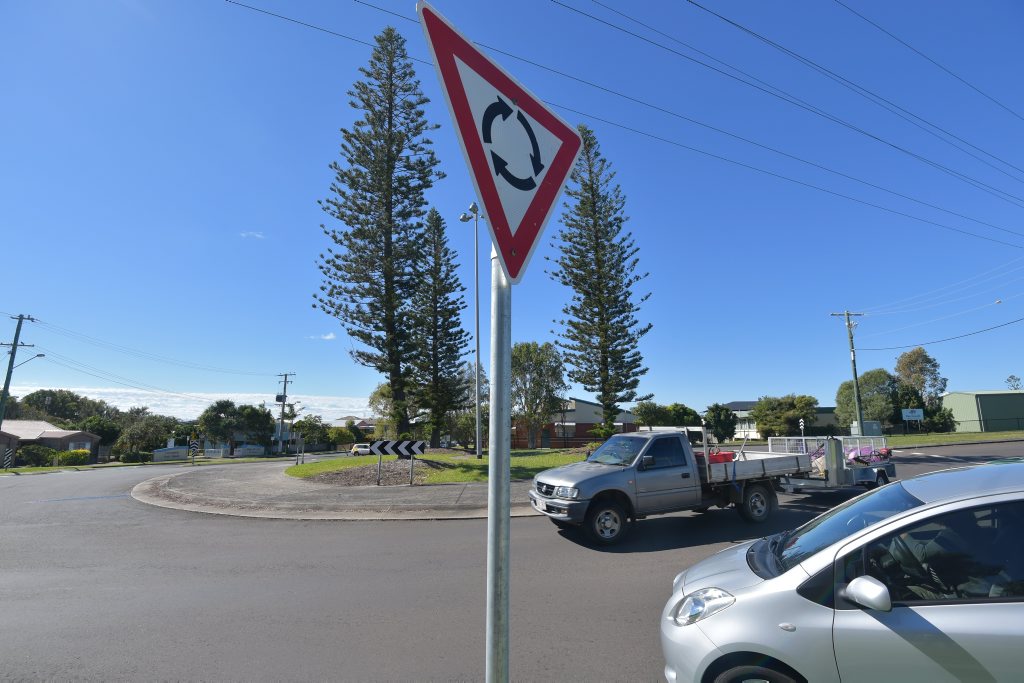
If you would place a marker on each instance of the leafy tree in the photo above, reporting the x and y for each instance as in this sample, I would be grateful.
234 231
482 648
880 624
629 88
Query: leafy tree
1013 383
55 403
339 436
941 420
146 434
103 427
904 396
355 431
378 196
312 429
680 415
538 383
916 368
441 341
220 422
380 405
256 423
601 334
780 415
877 398
650 414
721 421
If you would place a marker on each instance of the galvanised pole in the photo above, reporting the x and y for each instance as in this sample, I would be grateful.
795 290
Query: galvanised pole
499 450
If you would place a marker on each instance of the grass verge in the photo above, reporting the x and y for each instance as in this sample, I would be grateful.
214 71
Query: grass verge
447 468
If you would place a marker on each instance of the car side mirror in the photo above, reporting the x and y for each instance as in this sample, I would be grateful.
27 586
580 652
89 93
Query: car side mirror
867 591
647 462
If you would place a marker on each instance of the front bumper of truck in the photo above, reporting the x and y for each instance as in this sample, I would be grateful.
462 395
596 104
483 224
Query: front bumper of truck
560 509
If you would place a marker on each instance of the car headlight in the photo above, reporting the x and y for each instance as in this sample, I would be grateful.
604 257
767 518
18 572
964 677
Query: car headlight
700 605
566 492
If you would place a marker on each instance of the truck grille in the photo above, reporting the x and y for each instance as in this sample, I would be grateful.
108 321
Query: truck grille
545 489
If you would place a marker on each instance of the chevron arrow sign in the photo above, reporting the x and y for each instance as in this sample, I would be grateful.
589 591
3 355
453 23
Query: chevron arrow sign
404 449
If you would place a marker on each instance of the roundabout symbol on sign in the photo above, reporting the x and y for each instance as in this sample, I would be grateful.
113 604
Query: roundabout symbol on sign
501 108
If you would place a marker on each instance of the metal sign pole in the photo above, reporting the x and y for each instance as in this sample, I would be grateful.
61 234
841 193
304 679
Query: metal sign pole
498 507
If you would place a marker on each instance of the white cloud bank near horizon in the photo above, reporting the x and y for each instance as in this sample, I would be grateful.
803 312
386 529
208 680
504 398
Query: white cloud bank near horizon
189 407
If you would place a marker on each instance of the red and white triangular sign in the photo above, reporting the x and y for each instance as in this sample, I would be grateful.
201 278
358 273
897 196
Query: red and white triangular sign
518 151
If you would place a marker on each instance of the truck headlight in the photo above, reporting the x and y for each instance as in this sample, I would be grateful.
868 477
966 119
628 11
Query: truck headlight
700 605
566 492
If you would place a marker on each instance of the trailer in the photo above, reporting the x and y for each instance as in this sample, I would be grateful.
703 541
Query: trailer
837 463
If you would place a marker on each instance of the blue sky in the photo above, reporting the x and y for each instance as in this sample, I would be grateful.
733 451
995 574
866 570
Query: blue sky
162 163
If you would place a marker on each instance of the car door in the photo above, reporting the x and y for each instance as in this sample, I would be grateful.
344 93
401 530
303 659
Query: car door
669 483
956 581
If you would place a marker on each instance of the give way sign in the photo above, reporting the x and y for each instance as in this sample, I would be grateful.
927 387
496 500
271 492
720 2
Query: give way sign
518 151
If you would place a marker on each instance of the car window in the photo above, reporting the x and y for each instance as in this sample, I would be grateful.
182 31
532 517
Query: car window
841 521
667 452
969 554
618 450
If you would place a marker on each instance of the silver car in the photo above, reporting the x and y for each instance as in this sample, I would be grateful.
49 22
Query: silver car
920 580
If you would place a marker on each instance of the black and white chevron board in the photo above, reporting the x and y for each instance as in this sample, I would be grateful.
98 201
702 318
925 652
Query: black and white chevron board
402 448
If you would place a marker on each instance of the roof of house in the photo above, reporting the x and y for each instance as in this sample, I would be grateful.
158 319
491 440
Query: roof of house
32 430
740 405
987 392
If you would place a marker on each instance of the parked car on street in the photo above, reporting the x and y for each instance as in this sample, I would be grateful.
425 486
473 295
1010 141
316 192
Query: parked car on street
919 580
360 449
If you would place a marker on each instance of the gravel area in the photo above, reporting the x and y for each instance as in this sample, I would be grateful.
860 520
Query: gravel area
392 473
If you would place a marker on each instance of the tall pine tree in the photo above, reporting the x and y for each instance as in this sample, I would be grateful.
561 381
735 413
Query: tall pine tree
377 194
600 334
441 341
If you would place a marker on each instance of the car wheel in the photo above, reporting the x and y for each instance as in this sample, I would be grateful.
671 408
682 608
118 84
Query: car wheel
606 522
753 674
758 502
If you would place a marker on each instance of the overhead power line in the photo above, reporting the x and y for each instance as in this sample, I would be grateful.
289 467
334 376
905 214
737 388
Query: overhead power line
797 102
92 371
939 341
716 129
867 94
78 336
926 57
713 155
881 309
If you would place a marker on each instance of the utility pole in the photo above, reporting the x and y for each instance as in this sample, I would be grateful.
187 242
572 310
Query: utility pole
853 364
10 364
282 398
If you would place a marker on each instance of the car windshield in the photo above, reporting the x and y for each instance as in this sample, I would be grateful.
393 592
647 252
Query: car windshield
618 450
841 521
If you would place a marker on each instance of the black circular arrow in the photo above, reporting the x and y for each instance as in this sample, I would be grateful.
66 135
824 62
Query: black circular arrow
502 109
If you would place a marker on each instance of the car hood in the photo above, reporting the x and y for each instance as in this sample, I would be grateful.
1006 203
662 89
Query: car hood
574 473
727 569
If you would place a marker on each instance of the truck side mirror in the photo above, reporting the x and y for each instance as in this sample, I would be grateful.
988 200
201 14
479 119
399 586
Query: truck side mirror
647 461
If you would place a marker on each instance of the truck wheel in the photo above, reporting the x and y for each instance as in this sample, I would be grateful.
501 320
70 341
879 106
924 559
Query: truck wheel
758 503
606 522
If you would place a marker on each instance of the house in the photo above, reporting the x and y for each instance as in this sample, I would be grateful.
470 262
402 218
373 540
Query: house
571 426
366 424
16 433
986 411
746 428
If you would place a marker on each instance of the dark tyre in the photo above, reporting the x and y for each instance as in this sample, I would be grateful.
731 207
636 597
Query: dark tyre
753 674
758 503
606 522
881 479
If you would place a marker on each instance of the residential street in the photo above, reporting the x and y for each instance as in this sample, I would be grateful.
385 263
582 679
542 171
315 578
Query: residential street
98 586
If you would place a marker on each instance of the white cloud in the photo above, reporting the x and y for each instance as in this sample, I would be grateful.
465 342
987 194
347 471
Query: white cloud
326 337
252 233
189 407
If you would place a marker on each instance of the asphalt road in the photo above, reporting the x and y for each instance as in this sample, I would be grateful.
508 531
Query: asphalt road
95 585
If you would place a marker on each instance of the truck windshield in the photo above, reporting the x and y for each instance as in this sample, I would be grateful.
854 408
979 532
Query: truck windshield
842 521
618 450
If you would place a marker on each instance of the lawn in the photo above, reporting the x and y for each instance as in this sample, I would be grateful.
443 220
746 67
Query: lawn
456 467
903 441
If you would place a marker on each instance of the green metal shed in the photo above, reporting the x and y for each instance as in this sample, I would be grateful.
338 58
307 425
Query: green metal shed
986 411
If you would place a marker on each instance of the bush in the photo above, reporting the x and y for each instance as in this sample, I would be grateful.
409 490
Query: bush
141 456
34 455
72 458
941 421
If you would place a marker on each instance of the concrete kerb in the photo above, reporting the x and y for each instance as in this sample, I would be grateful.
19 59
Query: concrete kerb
300 500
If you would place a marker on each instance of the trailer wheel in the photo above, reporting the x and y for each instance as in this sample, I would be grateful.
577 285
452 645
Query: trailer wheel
606 522
758 503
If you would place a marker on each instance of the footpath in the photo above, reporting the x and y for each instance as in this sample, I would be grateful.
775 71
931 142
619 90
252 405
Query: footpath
264 490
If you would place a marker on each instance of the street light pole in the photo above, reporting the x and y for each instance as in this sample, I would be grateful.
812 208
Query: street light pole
853 365
10 364
474 213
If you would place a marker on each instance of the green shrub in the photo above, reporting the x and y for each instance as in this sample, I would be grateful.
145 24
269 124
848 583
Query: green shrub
34 455
73 458
141 456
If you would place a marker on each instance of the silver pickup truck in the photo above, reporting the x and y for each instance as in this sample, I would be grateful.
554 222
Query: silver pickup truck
635 475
